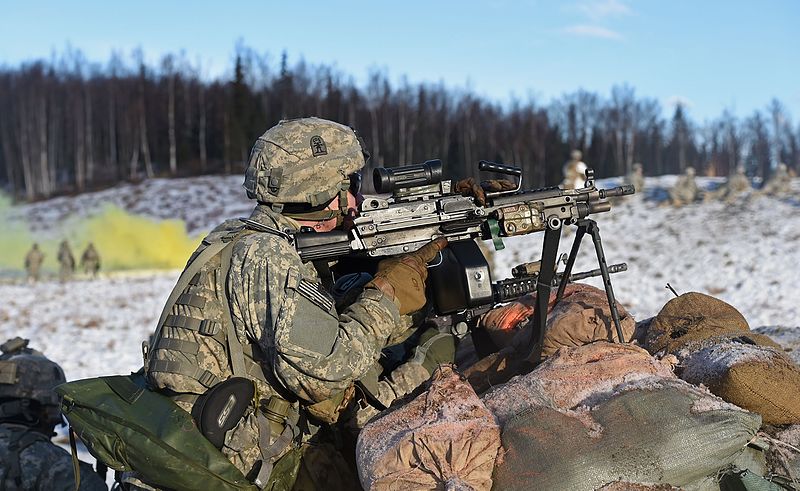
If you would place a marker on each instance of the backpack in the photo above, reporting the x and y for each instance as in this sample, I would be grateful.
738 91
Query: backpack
129 427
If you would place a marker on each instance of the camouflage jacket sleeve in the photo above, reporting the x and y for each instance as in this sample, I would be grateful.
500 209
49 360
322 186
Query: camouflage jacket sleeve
46 466
277 301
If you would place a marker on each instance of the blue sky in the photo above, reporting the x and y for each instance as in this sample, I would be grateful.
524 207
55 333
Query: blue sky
713 55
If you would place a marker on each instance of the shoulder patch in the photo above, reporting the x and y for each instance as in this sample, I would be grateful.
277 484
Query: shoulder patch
316 294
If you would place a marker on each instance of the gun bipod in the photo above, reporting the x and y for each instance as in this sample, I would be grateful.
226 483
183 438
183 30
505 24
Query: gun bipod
547 272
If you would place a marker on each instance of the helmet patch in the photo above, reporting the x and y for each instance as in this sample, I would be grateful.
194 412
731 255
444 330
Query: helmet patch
318 146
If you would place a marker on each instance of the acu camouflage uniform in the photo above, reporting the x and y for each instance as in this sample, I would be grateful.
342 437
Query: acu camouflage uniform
298 347
66 260
90 260
737 185
574 171
685 190
636 177
30 461
28 413
33 262
779 184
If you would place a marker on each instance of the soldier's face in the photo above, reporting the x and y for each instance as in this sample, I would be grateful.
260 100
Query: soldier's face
353 201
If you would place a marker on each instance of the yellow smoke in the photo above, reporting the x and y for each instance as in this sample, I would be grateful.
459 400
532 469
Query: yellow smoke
123 240
127 241
15 239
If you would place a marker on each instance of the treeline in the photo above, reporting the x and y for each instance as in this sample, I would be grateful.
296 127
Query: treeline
68 125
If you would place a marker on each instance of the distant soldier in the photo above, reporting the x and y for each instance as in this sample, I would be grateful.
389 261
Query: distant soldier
636 177
90 260
29 411
685 190
779 184
66 260
33 263
737 185
574 171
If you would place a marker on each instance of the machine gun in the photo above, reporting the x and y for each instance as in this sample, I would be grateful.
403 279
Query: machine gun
422 206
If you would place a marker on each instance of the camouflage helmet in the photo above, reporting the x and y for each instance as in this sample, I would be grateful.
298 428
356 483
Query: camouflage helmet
576 155
303 161
27 375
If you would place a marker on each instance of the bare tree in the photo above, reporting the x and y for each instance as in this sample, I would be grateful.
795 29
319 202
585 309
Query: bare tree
66 125
169 71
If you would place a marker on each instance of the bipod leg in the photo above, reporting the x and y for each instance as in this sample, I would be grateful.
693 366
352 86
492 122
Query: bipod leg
594 231
576 244
544 285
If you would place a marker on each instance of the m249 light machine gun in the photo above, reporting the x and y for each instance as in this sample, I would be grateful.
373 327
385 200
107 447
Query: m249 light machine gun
423 206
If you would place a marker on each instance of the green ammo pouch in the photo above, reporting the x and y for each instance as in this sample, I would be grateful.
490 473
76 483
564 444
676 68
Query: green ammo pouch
128 427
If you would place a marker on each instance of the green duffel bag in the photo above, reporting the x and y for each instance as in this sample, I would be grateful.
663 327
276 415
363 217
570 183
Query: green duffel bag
129 427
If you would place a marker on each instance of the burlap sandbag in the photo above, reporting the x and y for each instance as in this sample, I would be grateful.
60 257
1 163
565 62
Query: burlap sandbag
761 379
496 369
440 437
651 431
581 317
692 317
575 376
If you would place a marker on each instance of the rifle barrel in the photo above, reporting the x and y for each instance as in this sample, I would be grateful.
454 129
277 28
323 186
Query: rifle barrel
617 191
513 288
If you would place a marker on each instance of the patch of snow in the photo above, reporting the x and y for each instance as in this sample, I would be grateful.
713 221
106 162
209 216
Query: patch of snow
713 362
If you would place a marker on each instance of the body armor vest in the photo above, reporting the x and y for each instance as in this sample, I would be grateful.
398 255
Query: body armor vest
191 350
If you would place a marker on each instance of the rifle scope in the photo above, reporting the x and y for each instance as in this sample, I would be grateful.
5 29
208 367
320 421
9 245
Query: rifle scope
387 180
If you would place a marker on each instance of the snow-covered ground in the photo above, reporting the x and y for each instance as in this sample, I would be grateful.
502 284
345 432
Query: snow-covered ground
746 254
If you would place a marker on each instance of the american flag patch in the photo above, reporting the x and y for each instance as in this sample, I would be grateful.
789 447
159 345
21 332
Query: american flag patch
316 294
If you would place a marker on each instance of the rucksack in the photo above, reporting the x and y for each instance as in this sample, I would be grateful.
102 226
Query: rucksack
129 427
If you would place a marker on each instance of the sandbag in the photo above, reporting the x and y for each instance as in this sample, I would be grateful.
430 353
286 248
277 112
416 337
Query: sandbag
692 317
581 317
761 379
496 369
631 486
783 454
651 431
442 436
575 376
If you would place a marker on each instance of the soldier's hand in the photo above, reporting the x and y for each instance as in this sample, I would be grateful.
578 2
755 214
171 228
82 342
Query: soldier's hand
434 348
403 277
470 187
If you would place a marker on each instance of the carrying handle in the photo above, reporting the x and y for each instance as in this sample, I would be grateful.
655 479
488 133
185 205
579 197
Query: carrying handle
509 170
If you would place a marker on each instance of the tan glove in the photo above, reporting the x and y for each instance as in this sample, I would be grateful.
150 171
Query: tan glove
403 277
470 187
